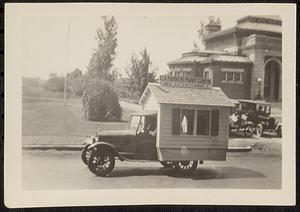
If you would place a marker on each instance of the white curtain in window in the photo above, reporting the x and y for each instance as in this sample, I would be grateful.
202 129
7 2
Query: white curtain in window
184 124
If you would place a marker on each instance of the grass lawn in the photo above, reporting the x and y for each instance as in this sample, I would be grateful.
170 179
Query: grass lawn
48 121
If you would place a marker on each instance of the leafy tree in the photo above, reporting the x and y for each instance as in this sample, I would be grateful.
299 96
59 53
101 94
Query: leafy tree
102 59
55 83
100 102
201 31
76 82
138 73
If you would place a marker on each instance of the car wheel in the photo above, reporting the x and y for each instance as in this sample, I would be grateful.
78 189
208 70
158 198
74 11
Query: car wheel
248 131
186 167
101 163
259 130
85 154
167 164
279 132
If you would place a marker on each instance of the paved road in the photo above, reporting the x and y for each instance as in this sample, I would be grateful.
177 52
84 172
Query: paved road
64 170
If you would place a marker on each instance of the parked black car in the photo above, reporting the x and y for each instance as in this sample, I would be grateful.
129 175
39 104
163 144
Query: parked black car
240 121
258 113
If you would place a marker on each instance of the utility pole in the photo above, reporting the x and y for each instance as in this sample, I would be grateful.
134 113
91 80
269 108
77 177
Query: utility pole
67 62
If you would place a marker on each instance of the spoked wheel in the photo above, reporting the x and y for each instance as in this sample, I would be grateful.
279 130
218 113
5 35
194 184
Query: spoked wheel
186 167
248 131
101 163
85 154
259 130
167 164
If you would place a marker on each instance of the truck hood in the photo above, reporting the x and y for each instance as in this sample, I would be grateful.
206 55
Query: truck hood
116 132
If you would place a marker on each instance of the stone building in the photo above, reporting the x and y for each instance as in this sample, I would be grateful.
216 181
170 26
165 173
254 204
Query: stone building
245 60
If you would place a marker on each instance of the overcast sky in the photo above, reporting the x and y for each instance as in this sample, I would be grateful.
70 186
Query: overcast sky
166 37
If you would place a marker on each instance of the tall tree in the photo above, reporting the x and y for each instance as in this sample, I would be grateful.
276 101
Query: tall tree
100 101
139 74
102 59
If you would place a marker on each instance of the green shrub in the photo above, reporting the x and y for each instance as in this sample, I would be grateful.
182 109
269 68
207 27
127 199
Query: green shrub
100 102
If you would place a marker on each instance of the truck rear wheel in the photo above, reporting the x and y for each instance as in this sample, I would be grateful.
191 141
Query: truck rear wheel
186 167
101 163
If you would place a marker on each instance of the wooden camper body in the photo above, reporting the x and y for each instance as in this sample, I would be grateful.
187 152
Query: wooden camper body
174 147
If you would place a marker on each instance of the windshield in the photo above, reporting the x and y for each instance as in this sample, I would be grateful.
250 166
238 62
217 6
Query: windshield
135 122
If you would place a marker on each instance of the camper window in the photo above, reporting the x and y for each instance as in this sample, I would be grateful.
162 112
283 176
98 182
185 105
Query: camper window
214 123
187 122
202 122
195 122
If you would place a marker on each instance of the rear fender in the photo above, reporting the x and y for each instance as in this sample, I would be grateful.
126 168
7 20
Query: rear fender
103 146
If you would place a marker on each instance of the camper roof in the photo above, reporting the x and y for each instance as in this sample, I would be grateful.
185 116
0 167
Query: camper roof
145 113
187 95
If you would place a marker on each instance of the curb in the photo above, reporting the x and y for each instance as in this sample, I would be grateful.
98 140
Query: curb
79 148
53 147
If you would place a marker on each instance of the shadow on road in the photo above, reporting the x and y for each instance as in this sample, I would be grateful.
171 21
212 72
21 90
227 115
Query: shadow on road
229 172
199 174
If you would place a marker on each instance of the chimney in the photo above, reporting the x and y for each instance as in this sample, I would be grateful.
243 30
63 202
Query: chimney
213 25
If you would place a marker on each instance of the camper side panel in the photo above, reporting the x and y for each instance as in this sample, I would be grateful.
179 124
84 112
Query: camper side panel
192 147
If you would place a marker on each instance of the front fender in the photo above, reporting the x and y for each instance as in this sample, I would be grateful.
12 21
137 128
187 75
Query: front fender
103 146
249 123
88 141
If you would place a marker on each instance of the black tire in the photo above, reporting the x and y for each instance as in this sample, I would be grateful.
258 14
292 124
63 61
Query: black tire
101 163
167 164
186 167
259 130
279 132
85 154
248 131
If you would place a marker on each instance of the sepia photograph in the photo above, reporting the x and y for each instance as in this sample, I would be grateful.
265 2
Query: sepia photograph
141 100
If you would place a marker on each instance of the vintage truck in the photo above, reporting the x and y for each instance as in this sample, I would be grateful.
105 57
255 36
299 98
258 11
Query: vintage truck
181 124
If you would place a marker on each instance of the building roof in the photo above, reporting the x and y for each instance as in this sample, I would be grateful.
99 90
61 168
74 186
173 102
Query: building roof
219 33
265 17
187 96
213 58
260 27
245 24
188 59
231 58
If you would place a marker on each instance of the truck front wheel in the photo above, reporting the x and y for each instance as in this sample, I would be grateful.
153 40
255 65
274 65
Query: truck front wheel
101 163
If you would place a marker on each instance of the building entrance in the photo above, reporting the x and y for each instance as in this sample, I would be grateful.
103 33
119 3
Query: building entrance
272 81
